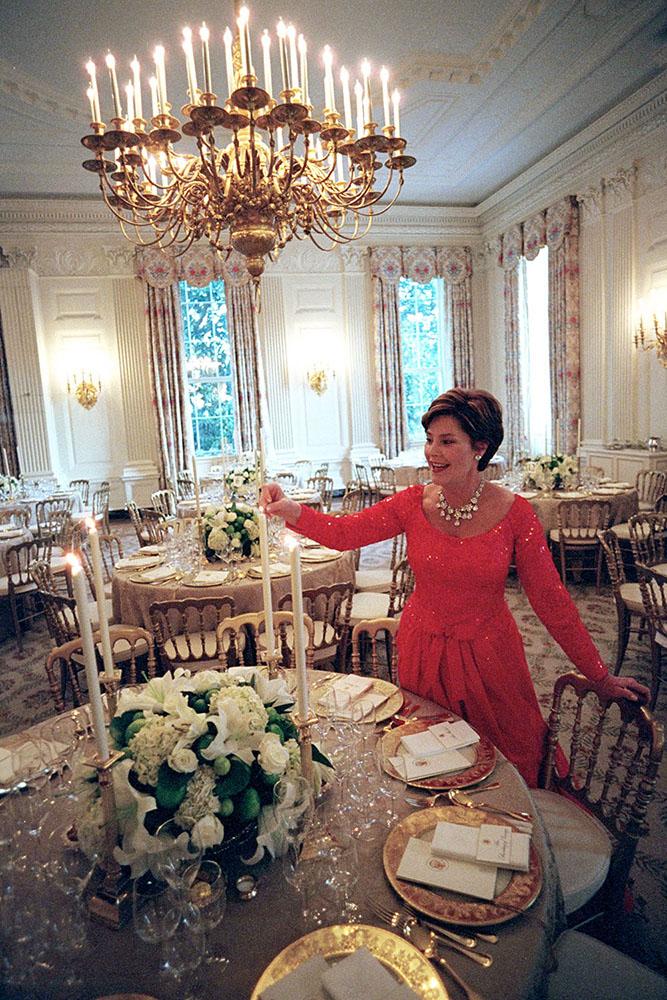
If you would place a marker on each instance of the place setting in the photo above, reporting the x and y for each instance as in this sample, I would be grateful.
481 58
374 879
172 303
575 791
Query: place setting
437 757
352 696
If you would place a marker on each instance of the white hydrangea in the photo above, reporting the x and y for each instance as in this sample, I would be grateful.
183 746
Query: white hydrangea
153 744
243 709
200 798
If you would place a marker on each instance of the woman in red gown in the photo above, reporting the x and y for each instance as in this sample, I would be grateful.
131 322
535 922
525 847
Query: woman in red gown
458 643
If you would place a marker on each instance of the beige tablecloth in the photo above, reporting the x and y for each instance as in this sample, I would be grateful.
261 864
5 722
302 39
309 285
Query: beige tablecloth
253 933
131 601
623 505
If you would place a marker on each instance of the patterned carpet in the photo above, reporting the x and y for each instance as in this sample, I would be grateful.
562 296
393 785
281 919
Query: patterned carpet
25 698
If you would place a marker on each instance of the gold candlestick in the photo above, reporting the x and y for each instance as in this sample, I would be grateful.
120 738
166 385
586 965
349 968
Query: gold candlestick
111 686
271 661
108 892
304 727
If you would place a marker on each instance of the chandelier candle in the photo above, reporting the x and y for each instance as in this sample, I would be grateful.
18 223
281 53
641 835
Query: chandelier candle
111 66
303 54
266 585
347 104
293 64
92 678
266 59
93 95
190 67
96 559
229 61
281 31
299 635
136 81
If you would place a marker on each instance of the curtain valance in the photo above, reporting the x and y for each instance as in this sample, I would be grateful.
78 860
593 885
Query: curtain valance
549 227
198 266
422 264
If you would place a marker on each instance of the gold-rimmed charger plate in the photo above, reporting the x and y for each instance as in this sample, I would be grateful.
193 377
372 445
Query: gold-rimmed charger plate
319 555
388 708
481 765
155 581
402 959
276 571
442 905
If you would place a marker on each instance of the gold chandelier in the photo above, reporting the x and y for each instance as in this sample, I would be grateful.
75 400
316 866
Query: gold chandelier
264 170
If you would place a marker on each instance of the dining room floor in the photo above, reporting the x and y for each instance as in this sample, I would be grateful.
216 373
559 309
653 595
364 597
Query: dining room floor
25 699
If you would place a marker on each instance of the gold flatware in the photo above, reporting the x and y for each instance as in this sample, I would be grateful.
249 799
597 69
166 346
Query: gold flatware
431 800
400 920
425 942
461 799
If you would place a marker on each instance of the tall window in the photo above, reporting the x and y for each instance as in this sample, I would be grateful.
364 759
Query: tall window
426 348
534 352
208 367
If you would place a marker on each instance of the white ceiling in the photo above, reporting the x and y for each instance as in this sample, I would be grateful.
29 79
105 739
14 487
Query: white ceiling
490 86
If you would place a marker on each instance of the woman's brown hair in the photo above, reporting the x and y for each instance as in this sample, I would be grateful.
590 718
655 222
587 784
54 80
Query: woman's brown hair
478 413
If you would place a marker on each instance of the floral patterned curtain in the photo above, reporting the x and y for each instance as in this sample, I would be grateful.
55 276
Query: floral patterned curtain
386 270
199 266
511 247
422 264
562 235
167 370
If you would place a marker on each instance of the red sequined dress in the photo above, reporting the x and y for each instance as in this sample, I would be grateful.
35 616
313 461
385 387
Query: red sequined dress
458 643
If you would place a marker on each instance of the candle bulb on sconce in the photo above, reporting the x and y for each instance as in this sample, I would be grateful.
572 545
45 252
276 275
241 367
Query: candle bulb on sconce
85 388
651 335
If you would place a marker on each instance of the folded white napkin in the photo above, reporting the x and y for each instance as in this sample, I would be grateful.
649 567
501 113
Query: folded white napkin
412 768
421 744
303 983
157 574
210 577
148 550
275 569
454 735
345 690
362 975
418 864
487 844
136 562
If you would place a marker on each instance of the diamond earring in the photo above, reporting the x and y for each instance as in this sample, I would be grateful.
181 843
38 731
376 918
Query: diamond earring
477 457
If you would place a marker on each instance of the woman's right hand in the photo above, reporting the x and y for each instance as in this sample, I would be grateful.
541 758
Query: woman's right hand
276 504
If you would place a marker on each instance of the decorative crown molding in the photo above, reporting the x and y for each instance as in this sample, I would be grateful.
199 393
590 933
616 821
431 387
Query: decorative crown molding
21 258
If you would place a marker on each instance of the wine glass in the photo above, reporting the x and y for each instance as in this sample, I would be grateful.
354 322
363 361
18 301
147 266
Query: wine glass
178 864
155 910
294 804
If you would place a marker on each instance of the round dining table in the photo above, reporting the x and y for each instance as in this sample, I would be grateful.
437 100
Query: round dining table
111 962
623 502
132 598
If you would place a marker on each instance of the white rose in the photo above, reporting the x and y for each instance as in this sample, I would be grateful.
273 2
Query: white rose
253 530
273 756
217 539
207 832
203 680
182 760
236 542
230 516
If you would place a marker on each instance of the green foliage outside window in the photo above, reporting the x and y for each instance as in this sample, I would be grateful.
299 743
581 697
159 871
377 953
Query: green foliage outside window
426 372
208 367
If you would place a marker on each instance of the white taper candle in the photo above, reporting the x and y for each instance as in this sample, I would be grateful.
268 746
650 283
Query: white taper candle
111 65
266 582
136 81
96 559
299 636
347 103
384 78
396 100
95 99
92 677
266 58
228 39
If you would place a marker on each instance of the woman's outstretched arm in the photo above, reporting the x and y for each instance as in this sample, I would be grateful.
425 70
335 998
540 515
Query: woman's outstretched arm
351 531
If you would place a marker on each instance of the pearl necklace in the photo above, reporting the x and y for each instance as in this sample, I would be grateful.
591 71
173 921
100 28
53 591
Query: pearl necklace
462 513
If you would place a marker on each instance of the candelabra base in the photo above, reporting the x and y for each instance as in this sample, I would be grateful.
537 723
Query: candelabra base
306 744
109 897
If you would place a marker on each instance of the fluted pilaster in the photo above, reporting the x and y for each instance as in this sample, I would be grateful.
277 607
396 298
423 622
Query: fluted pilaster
134 372
19 306
360 353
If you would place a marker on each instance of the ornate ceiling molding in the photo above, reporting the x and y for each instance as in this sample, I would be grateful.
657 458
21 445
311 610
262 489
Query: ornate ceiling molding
582 161
471 68
14 83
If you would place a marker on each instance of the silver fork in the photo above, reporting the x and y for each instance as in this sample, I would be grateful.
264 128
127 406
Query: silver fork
400 921
438 929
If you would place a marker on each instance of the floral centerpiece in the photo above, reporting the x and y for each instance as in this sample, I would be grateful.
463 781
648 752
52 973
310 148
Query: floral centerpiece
551 472
203 752
231 531
9 486
241 478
